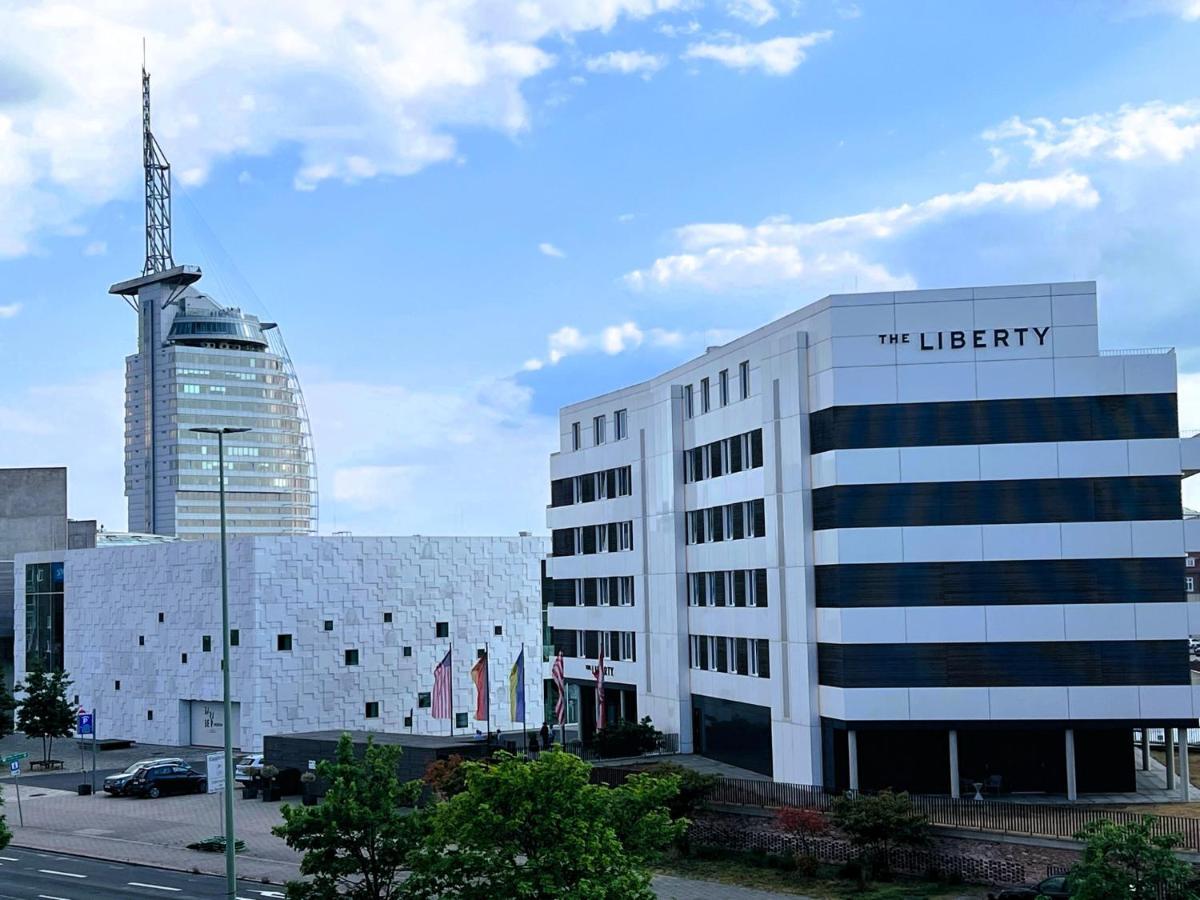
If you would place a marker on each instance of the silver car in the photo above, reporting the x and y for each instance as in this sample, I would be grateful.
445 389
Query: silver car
118 784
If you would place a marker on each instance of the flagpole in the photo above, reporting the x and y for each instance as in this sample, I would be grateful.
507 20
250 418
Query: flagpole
487 682
524 716
450 676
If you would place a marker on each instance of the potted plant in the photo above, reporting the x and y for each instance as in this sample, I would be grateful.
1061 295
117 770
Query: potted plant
270 790
250 788
310 793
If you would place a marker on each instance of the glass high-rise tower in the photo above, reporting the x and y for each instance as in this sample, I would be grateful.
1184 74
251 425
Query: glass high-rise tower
202 363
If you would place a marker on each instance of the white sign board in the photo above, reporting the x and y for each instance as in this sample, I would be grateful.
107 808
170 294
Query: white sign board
15 767
216 772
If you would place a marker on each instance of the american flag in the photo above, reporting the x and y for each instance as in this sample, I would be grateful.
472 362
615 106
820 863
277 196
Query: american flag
442 701
600 691
560 679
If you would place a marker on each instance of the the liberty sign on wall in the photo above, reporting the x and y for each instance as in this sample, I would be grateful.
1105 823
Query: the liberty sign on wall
978 339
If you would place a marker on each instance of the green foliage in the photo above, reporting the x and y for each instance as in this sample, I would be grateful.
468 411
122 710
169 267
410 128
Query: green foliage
5 834
7 705
357 839
628 739
216 844
694 788
1129 862
45 712
873 823
536 830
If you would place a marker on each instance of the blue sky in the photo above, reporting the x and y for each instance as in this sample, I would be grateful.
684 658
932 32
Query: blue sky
465 215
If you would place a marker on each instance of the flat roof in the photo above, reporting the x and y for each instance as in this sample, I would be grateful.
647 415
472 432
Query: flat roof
427 741
177 275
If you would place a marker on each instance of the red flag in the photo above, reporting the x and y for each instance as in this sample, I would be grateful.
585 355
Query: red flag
560 679
479 675
441 688
600 692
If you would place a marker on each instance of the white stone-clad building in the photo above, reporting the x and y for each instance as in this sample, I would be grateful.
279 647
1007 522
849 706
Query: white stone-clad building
905 539
331 632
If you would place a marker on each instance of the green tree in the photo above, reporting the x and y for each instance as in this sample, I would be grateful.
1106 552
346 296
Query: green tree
1129 862
873 823
357 839
536 830
44 711
7 705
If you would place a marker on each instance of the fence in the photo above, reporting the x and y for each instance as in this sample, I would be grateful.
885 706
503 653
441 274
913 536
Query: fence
985 816
666 745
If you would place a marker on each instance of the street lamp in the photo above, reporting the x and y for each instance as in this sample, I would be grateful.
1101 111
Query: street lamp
230 858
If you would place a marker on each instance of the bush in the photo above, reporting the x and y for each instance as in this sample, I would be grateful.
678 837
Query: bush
873 823
694 788
801 823
628 739
446 777
806 864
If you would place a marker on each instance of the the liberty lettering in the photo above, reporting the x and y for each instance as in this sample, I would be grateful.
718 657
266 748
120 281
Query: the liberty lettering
977 339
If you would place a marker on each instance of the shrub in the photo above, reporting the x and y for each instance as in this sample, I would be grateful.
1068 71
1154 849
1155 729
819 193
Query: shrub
801 823
694 788
806 864
628 739
446 777
873 823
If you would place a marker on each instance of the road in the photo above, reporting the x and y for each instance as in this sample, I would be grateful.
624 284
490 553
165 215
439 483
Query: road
31 875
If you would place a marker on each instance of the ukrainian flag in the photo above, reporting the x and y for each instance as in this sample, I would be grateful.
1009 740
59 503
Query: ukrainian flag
516 688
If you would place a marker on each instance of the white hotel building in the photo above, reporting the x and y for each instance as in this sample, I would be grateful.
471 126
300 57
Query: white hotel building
900 539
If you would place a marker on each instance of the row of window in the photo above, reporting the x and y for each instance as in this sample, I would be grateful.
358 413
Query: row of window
585 540
603 485
724 457
618 646
248 360
738 656
730 522
740 587
616 590
600 429
689 398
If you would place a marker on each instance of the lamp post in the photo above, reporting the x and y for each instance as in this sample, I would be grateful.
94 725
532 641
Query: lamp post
230 856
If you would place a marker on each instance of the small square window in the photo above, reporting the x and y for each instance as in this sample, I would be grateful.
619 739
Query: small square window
408 651
161 617
352 657
183 658
372 709
283 643
498 630
116 685
235 637
387 617
408 721
423 700
479 654
149 715
141 640
443 629
206 643
1191 562
460 720
329 624
76 699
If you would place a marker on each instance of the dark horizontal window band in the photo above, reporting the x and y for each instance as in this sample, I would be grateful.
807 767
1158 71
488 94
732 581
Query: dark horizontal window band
1016 664
1001 582
1017 421
1003 502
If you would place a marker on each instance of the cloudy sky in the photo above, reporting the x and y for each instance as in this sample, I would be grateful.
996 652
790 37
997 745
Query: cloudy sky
465 214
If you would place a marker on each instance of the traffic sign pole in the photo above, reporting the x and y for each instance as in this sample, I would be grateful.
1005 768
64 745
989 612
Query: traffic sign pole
93 752
16 770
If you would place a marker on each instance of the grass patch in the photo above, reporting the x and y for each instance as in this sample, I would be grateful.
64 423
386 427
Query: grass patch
824 886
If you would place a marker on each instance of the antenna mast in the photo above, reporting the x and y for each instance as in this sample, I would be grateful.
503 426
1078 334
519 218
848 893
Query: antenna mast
158 192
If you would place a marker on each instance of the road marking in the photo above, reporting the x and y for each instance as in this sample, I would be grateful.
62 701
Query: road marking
48 897
155 887
9 858
63 874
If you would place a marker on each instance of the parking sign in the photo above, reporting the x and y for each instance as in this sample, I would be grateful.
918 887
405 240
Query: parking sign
15 767
85 723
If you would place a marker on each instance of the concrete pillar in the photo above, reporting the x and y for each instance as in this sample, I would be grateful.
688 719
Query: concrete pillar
852 746
1169 753
1184 780
954 780
1072 790
1145 749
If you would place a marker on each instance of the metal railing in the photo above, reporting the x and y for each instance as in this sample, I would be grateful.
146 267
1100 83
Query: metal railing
667 745
1138 351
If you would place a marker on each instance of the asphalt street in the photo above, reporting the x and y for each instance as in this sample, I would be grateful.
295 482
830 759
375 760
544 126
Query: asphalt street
31 875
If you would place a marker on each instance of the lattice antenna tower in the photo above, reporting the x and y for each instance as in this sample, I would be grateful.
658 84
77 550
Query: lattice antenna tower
158 192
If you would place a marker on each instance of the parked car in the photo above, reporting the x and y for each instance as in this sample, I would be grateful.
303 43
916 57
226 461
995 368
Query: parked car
158 781
251 760
117 784
1053 888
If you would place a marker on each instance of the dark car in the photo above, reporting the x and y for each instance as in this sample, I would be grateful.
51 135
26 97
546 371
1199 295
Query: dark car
1053 888
158 781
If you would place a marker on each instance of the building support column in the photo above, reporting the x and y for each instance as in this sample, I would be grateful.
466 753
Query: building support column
1169 752
1072 790
955 790
1145 749
1184 780
852 747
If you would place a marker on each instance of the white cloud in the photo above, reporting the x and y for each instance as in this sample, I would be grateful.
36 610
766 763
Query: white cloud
776 56
832 252
548 249
358 88
611 340
849 11
1154 132
626 218
96 248
626 62
8 310
1188 10
673 31
756 12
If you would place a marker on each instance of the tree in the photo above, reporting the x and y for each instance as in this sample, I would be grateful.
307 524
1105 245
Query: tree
1129 862
803 824
446 777
875 822
44 712
356 841
694 788
7 705
537 830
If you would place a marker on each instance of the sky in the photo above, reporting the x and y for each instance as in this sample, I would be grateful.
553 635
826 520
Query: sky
466 214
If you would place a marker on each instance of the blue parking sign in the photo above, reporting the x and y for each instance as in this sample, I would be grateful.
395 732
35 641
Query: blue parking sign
85 724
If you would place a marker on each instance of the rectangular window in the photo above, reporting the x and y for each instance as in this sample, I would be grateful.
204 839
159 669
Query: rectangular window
696 592
352 657
424 701
722 645
742 651
116 685
723 386
1191 584
628 646
460 720
598 430
149 715
576 440
744 378
283 643
694 651
625 535
141 640
371 709
1191 562
705 396
621 424
689 407
695 531
498 631
183 658
408 721
329 624
387 617
206 643
442 630
235 637
160 617
763 659
711 645
760 587
408 651
757 519
625 588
